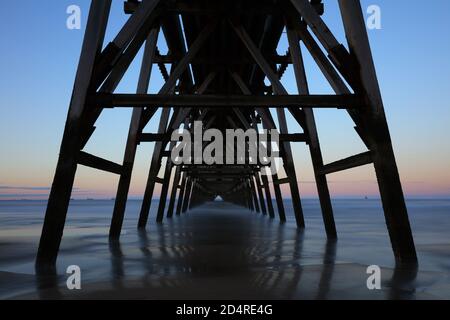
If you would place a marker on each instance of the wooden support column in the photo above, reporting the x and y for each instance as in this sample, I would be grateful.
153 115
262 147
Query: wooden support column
182 194
154 170
165 187
187 195
185 186
58 203
251 199
269 124
173 194
311 129
191 194
133 135
265 182
255 177
255 195
382 152
279 199
260 193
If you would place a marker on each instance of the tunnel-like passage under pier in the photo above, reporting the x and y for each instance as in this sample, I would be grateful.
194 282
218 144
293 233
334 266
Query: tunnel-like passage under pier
221 56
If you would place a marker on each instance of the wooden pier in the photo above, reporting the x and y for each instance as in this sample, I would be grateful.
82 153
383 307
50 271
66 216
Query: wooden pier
220 54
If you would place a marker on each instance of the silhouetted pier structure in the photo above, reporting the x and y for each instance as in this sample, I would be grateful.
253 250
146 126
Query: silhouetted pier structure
220 54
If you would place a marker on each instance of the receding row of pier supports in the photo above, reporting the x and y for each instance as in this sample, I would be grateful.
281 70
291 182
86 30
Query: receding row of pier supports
230 93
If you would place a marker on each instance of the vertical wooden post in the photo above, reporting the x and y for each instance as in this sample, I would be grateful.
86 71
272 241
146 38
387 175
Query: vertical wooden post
187 195
279 198
268 194
173 194
311 130
255 176
178 183
132 142
185 176
154 170
165 187
58 203
265 182
250 195
291 174
182 194
260 193
276 186
381 146
255 196
192 194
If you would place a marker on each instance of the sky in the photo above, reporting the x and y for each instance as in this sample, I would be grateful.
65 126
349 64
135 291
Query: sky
38 62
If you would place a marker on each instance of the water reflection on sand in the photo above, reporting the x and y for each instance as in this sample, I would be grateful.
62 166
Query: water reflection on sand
223 252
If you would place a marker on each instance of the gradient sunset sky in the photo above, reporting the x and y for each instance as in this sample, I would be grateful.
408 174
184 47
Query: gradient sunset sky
38 65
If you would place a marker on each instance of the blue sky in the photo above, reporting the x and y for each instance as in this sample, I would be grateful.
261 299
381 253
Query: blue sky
40 55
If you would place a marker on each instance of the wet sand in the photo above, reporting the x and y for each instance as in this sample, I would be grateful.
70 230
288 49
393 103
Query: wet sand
220 251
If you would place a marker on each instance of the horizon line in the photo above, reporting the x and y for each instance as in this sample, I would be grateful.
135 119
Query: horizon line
343 197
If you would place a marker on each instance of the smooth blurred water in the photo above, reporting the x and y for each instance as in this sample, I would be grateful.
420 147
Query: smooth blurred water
225 240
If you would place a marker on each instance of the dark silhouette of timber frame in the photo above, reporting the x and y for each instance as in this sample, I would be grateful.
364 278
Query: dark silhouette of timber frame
220 53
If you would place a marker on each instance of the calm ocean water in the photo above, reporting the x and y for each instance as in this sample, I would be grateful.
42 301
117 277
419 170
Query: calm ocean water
363 237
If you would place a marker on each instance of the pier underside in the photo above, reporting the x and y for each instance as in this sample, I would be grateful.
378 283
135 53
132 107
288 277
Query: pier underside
222 69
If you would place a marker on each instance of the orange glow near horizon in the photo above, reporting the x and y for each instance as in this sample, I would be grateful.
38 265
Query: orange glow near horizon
418 178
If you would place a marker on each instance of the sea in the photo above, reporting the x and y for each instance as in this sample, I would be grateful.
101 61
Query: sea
221 251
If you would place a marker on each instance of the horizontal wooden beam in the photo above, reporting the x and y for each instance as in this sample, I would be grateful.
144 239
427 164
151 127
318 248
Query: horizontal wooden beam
160 137
154 137
359 160
215 181
348 101
224 172
221 176
218 167
281 181
221 60
91 161
220 173
293 137
159 180
190 7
